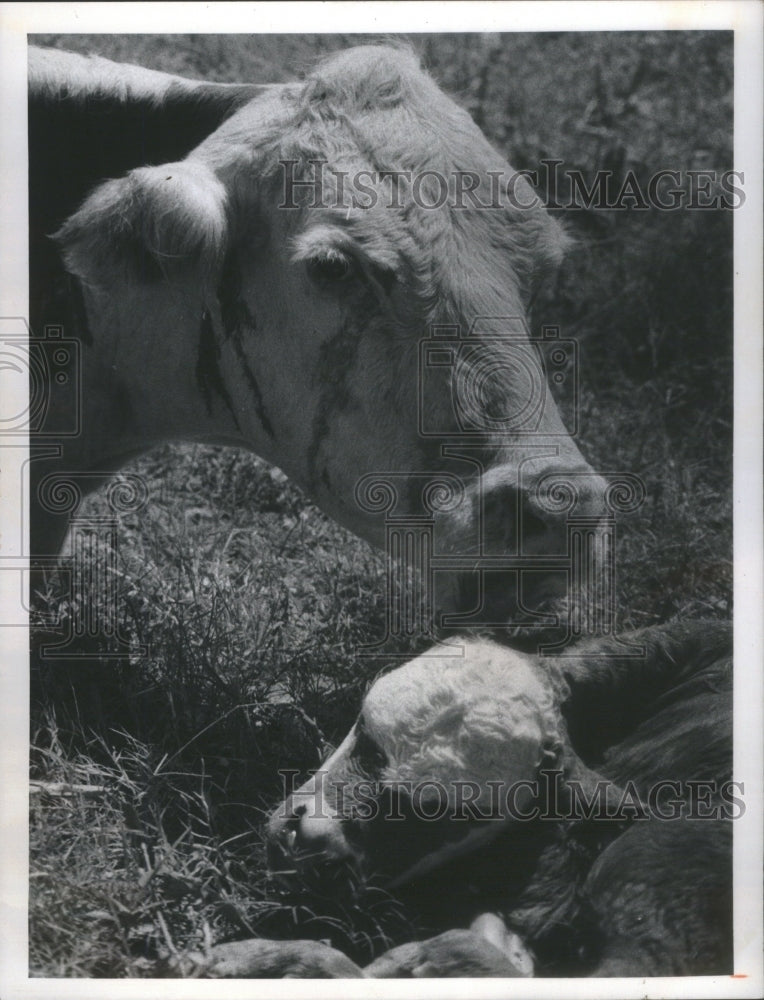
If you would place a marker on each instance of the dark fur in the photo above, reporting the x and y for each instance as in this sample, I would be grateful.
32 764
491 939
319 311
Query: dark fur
651 898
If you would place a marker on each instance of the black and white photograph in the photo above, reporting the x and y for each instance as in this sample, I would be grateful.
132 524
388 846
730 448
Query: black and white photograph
381 499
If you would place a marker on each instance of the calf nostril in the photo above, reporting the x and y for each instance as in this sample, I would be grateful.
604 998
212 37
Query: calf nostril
295 833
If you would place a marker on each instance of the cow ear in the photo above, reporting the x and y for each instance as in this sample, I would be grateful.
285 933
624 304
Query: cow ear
148 224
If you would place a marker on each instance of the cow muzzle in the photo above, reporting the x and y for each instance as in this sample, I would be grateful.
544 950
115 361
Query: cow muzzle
528 546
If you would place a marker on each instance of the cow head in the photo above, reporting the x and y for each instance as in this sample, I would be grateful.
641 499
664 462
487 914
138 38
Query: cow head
275 288
446 753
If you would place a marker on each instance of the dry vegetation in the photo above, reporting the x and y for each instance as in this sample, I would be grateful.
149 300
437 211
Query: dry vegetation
253 604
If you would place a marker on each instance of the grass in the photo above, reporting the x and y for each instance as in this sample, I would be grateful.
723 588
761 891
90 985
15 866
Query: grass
252 605
154 772
131 868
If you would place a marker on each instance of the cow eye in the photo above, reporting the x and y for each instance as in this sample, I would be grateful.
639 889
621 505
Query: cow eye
331 267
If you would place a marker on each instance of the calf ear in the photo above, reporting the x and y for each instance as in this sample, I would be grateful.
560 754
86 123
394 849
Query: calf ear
147 224
615 682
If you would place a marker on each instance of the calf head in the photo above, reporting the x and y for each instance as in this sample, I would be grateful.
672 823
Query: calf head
446 752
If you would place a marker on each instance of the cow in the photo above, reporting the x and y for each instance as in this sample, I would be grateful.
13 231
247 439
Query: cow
586 797
259 266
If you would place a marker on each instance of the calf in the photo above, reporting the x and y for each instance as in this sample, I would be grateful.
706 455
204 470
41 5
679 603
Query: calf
622 870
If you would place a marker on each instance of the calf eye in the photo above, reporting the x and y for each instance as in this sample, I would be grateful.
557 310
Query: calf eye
368 756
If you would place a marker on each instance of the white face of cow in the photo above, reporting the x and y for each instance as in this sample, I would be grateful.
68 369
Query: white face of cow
443 756
252 295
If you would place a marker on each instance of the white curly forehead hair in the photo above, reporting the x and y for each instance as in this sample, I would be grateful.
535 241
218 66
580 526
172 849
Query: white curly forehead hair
490 715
